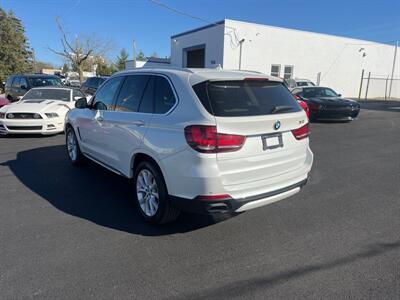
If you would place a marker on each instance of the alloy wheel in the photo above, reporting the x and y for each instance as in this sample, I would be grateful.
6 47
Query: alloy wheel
72 146
147 193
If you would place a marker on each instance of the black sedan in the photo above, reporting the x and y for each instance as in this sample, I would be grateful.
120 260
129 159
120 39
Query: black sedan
326 105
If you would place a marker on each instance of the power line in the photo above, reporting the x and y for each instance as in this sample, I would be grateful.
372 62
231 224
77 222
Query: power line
181 12
156 2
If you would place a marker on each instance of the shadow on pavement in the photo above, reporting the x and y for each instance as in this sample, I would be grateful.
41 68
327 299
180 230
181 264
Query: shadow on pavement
25 136
380 105
90 192
247 288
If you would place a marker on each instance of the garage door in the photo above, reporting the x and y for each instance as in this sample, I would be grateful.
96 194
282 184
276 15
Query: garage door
195 58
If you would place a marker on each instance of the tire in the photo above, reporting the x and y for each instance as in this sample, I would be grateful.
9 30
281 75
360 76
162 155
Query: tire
151 195
72 146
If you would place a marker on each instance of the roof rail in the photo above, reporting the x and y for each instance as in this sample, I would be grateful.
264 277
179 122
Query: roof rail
165 66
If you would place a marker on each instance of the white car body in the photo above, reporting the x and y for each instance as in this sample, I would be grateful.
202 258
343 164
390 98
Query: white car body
36 116
250 176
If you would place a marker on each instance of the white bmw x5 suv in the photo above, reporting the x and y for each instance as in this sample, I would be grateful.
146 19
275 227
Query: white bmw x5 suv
207 141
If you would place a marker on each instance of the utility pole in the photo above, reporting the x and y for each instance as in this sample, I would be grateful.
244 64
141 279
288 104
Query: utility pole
240 53
361 84
393 67
134 54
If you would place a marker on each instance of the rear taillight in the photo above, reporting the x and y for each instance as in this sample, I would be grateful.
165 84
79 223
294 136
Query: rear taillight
302 132
206 139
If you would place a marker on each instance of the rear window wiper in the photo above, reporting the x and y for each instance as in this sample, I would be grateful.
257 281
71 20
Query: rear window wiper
277 109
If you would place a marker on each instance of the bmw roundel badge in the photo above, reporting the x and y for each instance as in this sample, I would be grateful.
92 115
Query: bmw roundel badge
277 125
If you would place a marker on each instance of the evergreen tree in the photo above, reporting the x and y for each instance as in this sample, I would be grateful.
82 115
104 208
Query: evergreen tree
154 54
121 59
104 68
15 54
65 68
140 56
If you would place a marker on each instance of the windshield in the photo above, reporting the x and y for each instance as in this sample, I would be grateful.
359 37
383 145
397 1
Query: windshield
305 83
318 92
48 94
44 81
245 98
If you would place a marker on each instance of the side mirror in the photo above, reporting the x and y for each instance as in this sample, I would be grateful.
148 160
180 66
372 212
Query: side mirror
339 95
81 103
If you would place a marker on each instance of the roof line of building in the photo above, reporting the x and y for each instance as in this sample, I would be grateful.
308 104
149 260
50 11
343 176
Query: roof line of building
198 29
312 32
281 28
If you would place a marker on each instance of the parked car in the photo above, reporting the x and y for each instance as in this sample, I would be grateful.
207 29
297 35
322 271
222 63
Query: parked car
40 111
4 102
325 104
17 85
91 84
304 106
207 141
292 83
73 81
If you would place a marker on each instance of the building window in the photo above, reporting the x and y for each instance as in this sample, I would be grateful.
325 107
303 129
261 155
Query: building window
288 72
275 70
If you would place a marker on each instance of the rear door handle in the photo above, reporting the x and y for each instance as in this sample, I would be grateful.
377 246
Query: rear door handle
138 123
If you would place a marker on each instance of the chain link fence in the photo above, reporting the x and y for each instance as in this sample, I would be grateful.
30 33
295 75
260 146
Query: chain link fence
379 87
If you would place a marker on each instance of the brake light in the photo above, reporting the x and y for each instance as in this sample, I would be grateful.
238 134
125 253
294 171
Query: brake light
302 132
296 97
256 79
206 139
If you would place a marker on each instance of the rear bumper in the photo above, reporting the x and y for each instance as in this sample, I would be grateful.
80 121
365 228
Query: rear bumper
236 205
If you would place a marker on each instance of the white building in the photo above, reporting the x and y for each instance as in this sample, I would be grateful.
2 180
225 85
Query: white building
147 63
336 61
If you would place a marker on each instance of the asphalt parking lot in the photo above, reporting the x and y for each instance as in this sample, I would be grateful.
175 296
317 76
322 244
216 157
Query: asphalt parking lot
70 232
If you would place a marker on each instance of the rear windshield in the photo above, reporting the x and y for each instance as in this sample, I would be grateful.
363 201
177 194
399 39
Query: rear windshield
241 98
44 81
318 92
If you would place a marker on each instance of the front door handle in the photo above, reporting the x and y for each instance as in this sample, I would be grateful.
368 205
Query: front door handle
98 116
138 123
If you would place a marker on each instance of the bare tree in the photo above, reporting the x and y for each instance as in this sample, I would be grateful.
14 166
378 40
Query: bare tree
80 50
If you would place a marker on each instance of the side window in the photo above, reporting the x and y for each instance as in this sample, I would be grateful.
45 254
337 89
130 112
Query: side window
295 91
77 94
95 82
9 82
16 82
146 105
91 82
164 98
131 93
23 82
103 100
85 83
